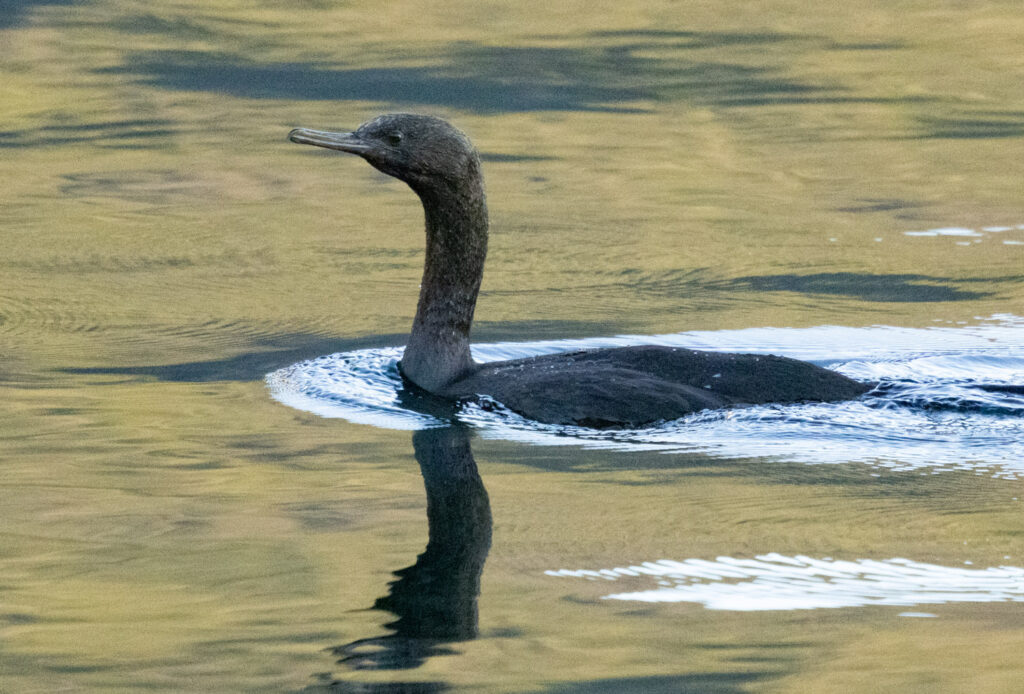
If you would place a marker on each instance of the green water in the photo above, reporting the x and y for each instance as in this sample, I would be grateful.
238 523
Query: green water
652 167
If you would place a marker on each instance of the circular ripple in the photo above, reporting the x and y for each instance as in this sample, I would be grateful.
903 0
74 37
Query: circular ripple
948 398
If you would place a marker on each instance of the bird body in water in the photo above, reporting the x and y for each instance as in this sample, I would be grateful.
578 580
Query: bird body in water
602 388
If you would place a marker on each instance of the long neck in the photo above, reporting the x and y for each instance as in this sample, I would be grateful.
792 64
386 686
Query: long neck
456 216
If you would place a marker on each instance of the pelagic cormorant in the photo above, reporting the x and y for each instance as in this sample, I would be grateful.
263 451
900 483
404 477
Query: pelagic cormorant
617 387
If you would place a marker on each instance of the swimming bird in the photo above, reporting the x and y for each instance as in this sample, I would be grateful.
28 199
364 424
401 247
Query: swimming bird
621 387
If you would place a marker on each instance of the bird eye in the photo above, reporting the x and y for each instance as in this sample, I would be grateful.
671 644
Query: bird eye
394 139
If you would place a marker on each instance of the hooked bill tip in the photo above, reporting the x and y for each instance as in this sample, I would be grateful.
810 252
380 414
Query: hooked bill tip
341 141
301 135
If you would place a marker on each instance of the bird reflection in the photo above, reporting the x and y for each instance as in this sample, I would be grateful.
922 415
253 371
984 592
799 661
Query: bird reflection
435 599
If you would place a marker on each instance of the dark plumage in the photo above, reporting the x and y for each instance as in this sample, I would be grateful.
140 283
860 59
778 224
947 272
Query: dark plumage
620 387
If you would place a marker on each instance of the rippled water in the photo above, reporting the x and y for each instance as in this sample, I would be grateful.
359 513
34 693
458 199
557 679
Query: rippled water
946 398
838 186
776 582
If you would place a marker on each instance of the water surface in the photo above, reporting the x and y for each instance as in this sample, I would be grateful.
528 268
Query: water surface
841 187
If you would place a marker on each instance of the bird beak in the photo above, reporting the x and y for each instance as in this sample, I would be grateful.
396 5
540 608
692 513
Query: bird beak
343 142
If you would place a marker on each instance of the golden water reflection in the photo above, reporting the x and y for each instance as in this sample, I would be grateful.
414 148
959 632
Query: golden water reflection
652 167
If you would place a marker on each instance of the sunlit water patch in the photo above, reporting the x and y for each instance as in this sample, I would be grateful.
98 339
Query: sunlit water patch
777 582
976 235
947 398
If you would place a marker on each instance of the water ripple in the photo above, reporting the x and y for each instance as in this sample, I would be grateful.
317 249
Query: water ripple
947 398
777 582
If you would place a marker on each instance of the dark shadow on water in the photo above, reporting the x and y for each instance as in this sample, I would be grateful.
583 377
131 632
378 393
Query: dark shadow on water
331 686
13 12
702 39
880 205
863 286
603 74
272 353
180 28
980 125
488 88
127 134
782 99
696 683
434 601
704 287
496 158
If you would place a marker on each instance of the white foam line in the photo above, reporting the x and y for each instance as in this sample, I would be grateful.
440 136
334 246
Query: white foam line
945 231
777 582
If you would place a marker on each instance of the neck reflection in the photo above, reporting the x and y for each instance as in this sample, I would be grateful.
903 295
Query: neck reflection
435 600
